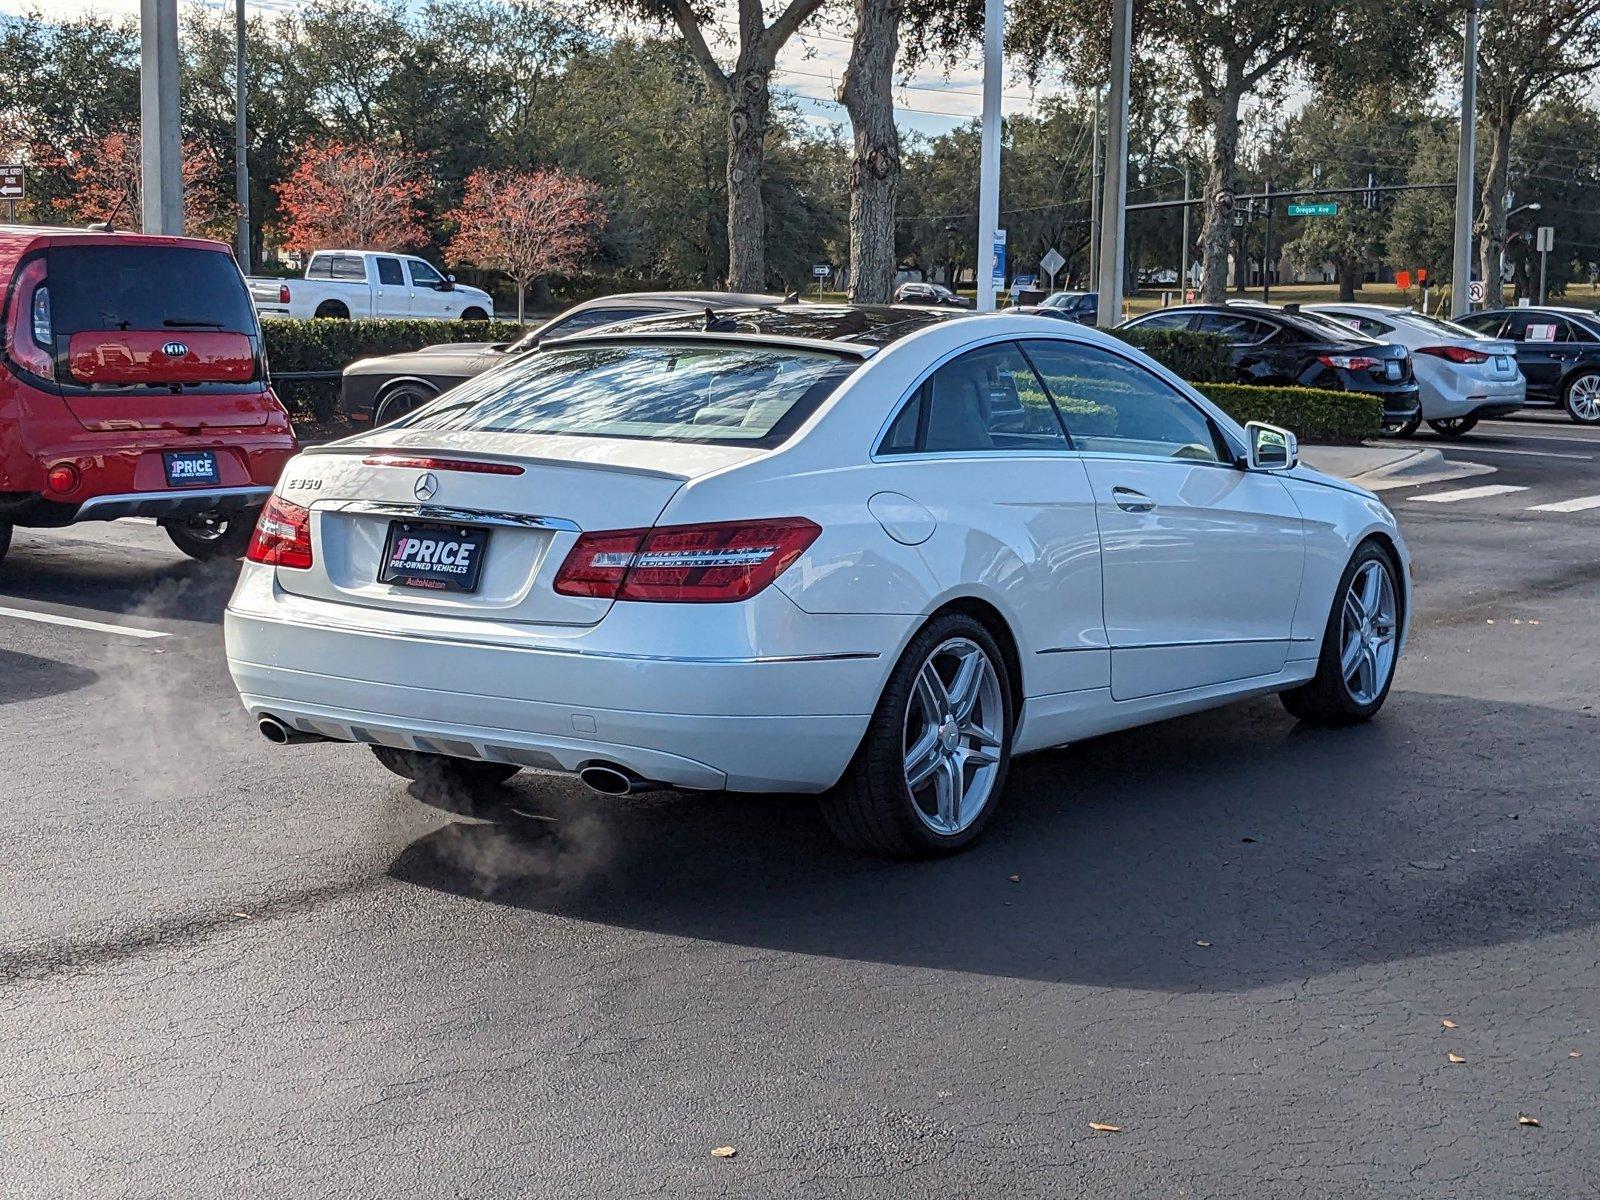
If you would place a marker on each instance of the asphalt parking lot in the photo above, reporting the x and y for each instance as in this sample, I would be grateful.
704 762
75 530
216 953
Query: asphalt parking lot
233 969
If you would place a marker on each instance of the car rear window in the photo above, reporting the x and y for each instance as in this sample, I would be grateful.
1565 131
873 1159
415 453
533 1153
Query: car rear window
754 395
131 287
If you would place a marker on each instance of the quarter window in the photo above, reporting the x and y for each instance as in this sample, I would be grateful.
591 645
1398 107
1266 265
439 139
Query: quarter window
1113 406
986 399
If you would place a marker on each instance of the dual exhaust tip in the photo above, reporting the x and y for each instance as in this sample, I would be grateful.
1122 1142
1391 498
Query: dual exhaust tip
608 779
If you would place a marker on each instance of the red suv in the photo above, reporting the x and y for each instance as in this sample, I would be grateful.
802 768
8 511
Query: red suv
133 382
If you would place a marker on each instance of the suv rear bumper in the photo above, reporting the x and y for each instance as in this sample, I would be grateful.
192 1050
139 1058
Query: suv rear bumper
160 505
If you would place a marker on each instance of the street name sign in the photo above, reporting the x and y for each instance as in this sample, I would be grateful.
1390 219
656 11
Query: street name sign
1326 208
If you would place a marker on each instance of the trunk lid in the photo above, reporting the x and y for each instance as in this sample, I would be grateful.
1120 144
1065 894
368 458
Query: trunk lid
364 490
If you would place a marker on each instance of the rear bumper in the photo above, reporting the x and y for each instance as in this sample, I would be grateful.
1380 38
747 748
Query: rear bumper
766 722
1478 398
186 503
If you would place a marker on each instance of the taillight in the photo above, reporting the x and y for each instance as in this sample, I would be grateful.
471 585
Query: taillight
694 564
29 338
282 537
1348 362
1455 354
283 293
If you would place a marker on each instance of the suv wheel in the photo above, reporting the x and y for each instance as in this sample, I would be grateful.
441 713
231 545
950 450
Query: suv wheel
214 536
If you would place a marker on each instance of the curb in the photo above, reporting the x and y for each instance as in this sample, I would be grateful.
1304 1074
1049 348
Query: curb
1379 468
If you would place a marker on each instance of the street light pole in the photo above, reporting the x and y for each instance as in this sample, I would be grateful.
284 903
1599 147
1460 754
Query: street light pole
241 166
994 28
1466 172
1113 216
160 135
1183 278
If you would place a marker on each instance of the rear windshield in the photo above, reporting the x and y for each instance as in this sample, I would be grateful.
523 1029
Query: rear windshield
1438 325
145 288
1325 326
664 391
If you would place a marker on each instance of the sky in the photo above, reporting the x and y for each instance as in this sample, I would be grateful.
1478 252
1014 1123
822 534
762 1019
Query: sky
930 101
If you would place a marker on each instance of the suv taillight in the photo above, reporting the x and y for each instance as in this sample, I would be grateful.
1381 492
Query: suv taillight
282 537
283 293
1455 354
29 338
688 564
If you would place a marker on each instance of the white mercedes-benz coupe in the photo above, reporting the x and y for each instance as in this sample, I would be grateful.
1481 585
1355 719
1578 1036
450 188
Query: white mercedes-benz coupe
870 553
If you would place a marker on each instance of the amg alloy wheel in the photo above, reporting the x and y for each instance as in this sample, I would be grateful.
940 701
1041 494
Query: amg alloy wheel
1359 646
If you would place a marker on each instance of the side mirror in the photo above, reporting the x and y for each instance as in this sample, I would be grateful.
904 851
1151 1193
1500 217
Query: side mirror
449 284
1271 448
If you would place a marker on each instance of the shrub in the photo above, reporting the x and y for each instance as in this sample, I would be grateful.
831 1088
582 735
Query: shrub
333 345
1313 414
1197 357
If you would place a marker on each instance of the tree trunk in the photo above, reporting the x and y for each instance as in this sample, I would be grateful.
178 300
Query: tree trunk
1347 278
875 164
749 106
1214 234
522 292
1493 207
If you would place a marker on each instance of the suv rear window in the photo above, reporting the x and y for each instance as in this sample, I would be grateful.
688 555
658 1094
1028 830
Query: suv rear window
109 287
741 395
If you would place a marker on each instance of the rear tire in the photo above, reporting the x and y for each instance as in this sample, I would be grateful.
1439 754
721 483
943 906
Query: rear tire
474 314
1581 398
331 310
207 539
5 539
1409 428
945 718
440 771
398 401
1454 427
1339 693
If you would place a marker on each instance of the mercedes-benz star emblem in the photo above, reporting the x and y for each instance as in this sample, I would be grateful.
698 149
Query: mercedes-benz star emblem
426 486
174 349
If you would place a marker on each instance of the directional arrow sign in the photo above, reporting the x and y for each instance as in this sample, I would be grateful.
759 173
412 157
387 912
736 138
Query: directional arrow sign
1324 209
12 186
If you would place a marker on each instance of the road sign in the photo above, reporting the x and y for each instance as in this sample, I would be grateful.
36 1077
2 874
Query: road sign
1326 208
1052 261
13 185
1546 239
1475 291
821 270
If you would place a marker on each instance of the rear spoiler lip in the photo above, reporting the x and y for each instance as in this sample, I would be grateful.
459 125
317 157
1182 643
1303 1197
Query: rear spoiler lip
349 451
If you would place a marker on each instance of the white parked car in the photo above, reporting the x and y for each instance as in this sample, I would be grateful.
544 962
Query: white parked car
871 553
365 283
1462 377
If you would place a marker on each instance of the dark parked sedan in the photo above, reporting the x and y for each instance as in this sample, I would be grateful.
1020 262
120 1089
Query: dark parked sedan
1558 350
1287 346
1082 307
380 390
935 294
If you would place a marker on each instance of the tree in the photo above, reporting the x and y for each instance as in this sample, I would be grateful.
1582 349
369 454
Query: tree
526 225
359 196
1528 49
747 89
105 176
867 95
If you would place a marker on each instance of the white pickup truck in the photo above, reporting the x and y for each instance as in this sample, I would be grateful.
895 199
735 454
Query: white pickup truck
365 283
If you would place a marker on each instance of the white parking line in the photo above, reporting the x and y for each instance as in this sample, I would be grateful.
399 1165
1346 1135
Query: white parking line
1477 449
1471 493
133 631
1580 504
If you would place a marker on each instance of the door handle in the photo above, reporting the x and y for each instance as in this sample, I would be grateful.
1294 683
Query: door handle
1129 500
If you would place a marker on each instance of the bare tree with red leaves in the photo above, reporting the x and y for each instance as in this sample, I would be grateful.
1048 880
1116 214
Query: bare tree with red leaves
105 185
356 197
526 225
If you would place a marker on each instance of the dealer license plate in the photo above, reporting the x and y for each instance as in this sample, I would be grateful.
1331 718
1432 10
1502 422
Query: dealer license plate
434 556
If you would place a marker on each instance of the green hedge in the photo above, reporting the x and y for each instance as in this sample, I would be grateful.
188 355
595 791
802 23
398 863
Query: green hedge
1197 357
334 345
1313 414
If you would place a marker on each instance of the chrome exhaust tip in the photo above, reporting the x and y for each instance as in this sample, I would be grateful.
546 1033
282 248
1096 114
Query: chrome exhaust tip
280 734
611 780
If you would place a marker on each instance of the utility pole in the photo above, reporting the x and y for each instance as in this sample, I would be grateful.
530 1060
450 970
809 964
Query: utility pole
1113 216
241 166
1266 253
160 136
1466 173
1183 278
994 32
1094 193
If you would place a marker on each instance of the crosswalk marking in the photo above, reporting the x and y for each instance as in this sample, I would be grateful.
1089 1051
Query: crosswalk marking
1471 493
1578 504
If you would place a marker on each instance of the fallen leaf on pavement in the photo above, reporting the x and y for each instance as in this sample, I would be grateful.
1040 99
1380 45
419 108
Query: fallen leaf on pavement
1448 1023
1016 879
1525 1119
724 1152
243 916
1102 1127
1198 942
1574 1054
1455 1058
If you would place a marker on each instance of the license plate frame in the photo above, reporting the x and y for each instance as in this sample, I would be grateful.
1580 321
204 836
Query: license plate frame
433 564
191 468
1391 372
